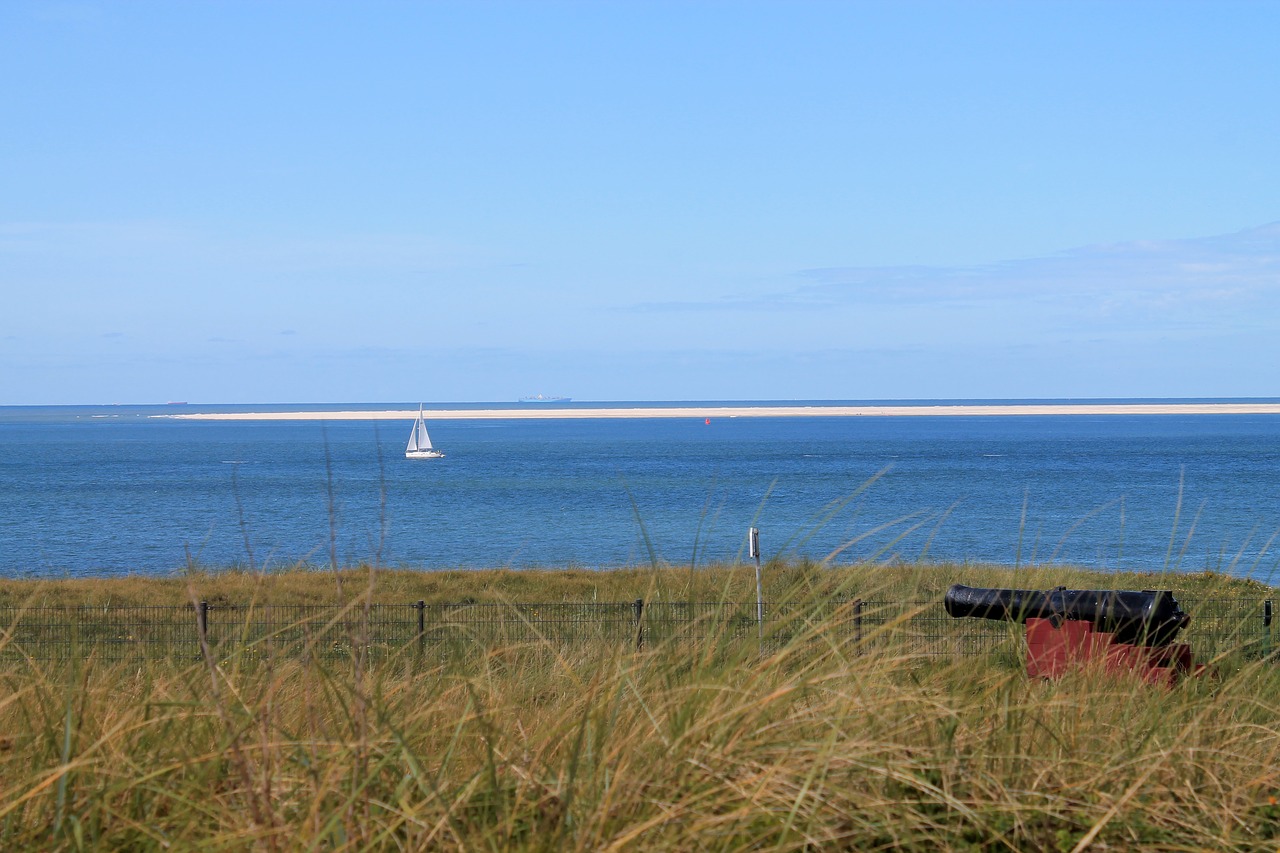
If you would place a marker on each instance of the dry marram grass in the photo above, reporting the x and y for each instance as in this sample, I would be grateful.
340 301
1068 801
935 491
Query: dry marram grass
827 742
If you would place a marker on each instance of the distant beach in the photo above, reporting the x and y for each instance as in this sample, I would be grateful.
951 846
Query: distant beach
753 412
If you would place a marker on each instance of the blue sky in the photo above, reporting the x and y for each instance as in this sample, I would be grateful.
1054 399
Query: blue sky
329 202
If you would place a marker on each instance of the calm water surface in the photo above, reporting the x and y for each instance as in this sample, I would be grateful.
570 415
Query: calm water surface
106 490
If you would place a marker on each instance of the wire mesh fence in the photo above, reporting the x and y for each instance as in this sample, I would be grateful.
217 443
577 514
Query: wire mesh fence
114 633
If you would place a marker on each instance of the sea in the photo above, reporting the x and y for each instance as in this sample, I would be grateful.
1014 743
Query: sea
97 491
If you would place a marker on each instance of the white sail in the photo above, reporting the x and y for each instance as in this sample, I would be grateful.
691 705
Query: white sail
424 440
419 446
413 439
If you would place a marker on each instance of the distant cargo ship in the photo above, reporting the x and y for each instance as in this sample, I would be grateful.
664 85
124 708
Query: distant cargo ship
543 398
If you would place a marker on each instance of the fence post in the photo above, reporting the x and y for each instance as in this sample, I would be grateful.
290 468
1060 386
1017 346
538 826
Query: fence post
753 542
202 622
1266 626
857 621
638 607
421 607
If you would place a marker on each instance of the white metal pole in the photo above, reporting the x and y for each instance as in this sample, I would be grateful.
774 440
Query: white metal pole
753 537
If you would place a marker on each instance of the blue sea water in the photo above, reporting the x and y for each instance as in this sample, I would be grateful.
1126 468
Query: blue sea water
112 489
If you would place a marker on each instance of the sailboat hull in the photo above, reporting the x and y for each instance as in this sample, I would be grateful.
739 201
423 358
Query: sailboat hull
423 454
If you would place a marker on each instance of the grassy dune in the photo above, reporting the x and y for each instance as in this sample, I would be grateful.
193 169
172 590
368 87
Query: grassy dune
782 580
831 742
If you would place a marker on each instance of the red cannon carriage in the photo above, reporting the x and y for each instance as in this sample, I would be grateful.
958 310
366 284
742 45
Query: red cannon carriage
1120 630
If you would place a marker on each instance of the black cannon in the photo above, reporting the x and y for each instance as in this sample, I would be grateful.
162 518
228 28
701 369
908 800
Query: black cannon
1147 618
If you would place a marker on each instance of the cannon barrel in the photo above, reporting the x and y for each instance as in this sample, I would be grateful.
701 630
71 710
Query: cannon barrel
1150 617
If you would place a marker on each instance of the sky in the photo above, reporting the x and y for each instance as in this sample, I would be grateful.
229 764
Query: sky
239 202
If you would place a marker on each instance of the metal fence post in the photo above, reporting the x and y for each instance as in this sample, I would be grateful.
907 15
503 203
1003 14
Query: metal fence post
421 607
202 622
857 621
1266 626
638 606
753 541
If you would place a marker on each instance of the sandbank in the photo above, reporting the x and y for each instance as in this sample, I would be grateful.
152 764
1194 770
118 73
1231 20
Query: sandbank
677 411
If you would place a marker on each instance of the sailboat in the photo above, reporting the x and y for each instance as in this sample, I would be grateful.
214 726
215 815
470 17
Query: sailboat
420 443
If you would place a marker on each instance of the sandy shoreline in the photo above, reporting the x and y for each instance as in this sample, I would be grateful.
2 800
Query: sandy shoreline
547 413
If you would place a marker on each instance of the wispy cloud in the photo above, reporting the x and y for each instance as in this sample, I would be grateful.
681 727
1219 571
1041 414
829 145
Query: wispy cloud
1156 274
185 245
34 238
1148 278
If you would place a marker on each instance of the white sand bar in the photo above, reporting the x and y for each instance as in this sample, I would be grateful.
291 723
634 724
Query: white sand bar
548 413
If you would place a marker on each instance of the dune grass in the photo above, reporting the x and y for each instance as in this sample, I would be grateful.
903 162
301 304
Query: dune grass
826 742
783 580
